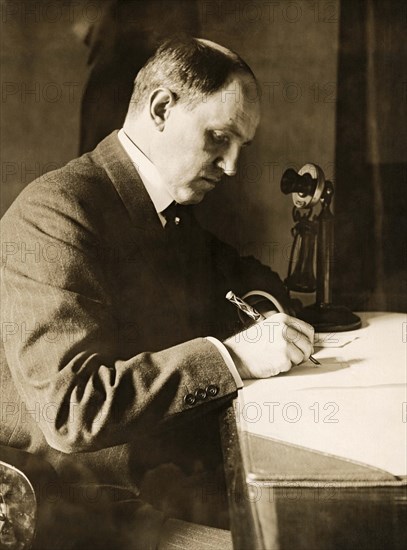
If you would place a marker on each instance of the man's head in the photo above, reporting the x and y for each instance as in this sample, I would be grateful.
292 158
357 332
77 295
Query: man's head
191 113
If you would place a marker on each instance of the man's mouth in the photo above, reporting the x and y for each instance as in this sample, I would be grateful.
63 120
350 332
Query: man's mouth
213 181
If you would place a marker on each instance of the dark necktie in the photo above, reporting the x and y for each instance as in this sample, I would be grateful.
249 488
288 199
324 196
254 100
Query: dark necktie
178 231
173 215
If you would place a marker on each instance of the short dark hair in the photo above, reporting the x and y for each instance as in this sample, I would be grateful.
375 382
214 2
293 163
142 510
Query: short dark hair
190 68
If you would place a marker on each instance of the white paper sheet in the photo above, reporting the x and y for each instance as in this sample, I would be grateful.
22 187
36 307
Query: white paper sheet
354 405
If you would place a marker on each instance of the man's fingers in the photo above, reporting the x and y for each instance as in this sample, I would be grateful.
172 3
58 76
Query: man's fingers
300 341
303 327
304 346
295 354
297 324
299 336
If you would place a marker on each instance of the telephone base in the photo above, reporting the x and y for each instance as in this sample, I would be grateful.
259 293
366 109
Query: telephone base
330 318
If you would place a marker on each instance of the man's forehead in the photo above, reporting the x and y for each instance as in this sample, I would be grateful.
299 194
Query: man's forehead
240 93
231 107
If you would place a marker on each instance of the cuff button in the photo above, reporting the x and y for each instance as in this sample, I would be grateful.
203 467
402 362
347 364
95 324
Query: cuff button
189 400
200 394
212 390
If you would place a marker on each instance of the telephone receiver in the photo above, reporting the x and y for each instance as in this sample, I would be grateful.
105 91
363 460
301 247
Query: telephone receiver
314 235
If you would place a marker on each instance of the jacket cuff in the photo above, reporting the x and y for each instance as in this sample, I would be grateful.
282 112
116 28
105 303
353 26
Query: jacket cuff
228 360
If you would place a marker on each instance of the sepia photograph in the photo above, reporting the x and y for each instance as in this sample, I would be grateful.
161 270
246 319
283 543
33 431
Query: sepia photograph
203 221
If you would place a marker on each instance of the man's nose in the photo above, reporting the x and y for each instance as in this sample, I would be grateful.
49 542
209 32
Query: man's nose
228 161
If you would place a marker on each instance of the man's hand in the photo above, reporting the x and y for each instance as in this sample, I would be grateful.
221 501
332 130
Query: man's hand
271 346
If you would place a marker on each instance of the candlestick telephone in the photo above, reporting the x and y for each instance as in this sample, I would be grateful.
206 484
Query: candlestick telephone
314 245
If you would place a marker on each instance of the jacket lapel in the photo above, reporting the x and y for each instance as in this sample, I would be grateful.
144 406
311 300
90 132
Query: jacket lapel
147 231
124 176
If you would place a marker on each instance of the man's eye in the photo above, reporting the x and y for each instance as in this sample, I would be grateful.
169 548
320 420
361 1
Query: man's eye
219 138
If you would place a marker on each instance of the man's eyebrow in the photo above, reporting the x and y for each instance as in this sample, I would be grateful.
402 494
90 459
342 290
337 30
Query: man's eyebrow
232 128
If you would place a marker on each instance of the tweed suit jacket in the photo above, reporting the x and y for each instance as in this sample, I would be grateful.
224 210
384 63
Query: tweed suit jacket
103 331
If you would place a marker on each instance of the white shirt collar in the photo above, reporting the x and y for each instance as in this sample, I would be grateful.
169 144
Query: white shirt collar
149 175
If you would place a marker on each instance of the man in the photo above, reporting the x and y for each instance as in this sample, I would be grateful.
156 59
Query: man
119 341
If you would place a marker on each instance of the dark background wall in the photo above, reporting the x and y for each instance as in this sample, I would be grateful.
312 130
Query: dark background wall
371 163
292 47
43 71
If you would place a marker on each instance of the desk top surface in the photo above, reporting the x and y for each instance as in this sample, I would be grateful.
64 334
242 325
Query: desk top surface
353 406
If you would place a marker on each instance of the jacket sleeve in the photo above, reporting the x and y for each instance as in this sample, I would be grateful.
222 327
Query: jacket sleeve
58 333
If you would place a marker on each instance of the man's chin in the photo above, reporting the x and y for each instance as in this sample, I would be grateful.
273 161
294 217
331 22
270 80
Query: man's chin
195 196
194 199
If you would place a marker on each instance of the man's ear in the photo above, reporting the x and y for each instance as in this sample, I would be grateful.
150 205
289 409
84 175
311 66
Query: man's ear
161 102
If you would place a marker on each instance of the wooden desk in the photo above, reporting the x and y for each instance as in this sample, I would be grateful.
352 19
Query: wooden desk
317 458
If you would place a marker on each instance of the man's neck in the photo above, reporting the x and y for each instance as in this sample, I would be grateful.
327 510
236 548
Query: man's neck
138 132
150 176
